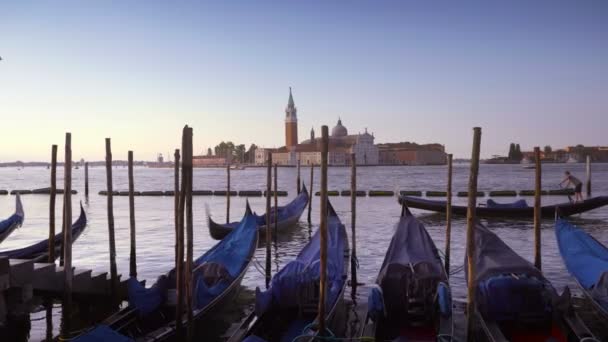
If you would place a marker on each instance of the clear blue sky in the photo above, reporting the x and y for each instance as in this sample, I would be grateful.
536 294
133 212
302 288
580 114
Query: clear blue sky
532 72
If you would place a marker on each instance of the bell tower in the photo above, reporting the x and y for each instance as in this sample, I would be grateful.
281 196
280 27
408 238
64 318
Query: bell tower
291 123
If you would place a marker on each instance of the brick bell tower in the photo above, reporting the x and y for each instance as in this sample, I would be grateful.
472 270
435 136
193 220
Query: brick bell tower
291 123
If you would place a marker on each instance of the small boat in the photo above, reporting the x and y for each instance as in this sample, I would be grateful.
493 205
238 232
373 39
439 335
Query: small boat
14 221
217 276
571 160
587 261
39 251
288 309
288 216
514 301
518 209
412 298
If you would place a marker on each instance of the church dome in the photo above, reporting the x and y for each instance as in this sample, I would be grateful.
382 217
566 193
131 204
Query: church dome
339 130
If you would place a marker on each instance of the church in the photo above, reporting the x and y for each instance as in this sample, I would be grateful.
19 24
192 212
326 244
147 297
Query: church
341 145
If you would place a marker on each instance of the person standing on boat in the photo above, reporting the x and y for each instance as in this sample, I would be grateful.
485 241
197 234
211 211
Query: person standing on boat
578 186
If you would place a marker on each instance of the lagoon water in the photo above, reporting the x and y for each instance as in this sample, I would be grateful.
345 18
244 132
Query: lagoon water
375 217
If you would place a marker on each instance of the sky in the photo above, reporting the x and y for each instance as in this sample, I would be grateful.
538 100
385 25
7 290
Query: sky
530 72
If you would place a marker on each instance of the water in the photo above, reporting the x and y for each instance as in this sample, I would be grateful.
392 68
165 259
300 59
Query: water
375 216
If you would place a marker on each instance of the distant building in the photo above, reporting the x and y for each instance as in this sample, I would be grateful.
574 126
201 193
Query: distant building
411 154
341 145
208 161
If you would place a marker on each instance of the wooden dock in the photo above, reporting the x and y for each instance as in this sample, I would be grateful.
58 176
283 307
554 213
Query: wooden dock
22 279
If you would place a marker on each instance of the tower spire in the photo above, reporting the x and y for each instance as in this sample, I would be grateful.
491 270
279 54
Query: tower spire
290 103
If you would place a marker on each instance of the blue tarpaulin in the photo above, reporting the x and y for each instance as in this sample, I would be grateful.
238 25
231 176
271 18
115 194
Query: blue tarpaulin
585 258
297 283
230 256
517 204
102 333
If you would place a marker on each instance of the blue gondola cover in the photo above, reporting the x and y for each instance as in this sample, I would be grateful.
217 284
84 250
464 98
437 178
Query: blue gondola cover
585 258
517 204
299 279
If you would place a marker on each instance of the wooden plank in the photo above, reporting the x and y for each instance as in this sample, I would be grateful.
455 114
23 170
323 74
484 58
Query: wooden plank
4 275
21 272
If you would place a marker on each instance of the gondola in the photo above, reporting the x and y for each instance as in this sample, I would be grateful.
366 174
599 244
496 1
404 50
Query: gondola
288 308
587 261
16 220
514 301
518 209
39 250
217 276
288 216
411 300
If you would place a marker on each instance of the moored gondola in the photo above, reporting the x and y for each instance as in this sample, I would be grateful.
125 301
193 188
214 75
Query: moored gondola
217 277
288 309
288 216
412 298
14 221
514 301
587 261
39 250
518 209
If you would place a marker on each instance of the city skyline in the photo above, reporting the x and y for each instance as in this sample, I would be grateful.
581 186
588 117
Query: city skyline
534 74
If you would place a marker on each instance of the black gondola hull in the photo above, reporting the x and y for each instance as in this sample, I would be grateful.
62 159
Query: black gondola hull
565 209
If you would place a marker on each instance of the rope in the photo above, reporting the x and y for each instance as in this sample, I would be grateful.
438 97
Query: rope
457 270
258 266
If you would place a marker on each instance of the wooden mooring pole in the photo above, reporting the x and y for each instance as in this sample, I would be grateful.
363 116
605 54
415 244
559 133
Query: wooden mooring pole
86 179
353 219
67 240
298 182
51 252
448 217
111 235
53 197
276 203
180 277
268 229
187 176
311 194
588 176
323 230
176 157
228 194
471 285
537 204
179 248
132 254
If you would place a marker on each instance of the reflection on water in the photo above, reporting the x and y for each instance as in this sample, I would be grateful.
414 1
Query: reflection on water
375 221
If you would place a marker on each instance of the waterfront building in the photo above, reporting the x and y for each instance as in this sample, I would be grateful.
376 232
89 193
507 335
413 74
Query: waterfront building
208 161
341 145
412 154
